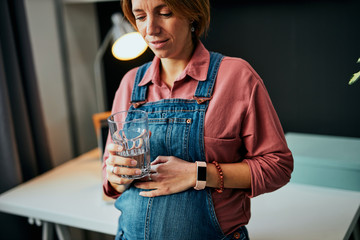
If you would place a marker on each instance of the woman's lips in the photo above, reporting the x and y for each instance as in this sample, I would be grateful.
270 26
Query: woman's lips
158 44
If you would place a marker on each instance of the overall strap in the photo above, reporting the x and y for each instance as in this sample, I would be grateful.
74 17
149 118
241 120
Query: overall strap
205 88
138 95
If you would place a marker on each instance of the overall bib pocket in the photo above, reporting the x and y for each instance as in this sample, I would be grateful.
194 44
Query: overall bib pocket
175 130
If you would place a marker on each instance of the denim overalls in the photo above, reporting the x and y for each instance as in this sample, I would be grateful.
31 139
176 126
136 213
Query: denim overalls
177 127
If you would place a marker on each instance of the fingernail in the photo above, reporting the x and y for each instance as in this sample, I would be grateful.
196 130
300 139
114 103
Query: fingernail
138 172
133 162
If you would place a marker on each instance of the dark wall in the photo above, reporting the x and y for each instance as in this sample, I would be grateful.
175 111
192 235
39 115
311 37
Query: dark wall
305 51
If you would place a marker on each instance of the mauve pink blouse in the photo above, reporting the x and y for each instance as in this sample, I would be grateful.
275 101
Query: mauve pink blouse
240 125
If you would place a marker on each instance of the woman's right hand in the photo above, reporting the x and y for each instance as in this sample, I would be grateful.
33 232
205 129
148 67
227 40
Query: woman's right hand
117 166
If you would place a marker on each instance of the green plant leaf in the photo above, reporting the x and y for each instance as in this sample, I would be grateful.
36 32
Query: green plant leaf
358 61
354 78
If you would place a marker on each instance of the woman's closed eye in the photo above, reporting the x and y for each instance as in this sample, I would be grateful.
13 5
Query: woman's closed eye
139 18
142 17
169 14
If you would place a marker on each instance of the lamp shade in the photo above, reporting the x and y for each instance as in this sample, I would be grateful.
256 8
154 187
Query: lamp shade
127 43
129 46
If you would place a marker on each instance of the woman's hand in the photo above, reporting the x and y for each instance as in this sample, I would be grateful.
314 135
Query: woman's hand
117 166
169 175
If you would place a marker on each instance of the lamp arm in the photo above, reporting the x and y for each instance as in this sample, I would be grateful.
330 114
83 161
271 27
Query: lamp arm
99 73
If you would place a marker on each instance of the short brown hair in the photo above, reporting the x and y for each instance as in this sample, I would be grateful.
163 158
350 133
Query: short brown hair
196 10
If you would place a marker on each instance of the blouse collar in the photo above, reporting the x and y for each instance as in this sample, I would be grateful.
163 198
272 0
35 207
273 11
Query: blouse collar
197 67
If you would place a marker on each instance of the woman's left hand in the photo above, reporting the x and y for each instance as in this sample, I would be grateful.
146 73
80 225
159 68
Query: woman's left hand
169 175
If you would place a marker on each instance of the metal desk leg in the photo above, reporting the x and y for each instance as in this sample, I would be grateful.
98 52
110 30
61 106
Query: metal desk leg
62 232
47 231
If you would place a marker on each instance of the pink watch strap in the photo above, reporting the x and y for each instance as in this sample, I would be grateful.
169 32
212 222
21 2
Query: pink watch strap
200 175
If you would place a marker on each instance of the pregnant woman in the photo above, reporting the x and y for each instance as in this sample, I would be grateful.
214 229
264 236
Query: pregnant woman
216 140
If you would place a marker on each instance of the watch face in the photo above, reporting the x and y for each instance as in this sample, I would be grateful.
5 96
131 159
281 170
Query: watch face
201 176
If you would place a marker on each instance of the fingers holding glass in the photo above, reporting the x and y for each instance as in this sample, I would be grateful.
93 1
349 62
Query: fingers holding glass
119 167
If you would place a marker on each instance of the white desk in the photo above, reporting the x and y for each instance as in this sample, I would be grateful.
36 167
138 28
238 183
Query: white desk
70 195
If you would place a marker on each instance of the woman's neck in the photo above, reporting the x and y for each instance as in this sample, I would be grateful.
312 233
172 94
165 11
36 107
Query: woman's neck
171 68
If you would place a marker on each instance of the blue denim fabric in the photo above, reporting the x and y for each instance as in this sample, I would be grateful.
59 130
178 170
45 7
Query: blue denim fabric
177 130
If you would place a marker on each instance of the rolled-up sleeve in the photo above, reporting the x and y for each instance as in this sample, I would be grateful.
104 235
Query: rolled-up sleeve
267 153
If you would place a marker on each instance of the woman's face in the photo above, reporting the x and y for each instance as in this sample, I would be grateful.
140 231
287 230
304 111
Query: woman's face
167 35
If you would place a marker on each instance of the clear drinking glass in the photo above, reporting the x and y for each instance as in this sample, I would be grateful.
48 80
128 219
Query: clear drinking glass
130 130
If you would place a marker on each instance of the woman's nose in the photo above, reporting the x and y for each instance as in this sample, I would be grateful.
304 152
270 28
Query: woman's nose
152 27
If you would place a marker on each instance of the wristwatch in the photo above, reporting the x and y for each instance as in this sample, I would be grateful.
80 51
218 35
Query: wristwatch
200 175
